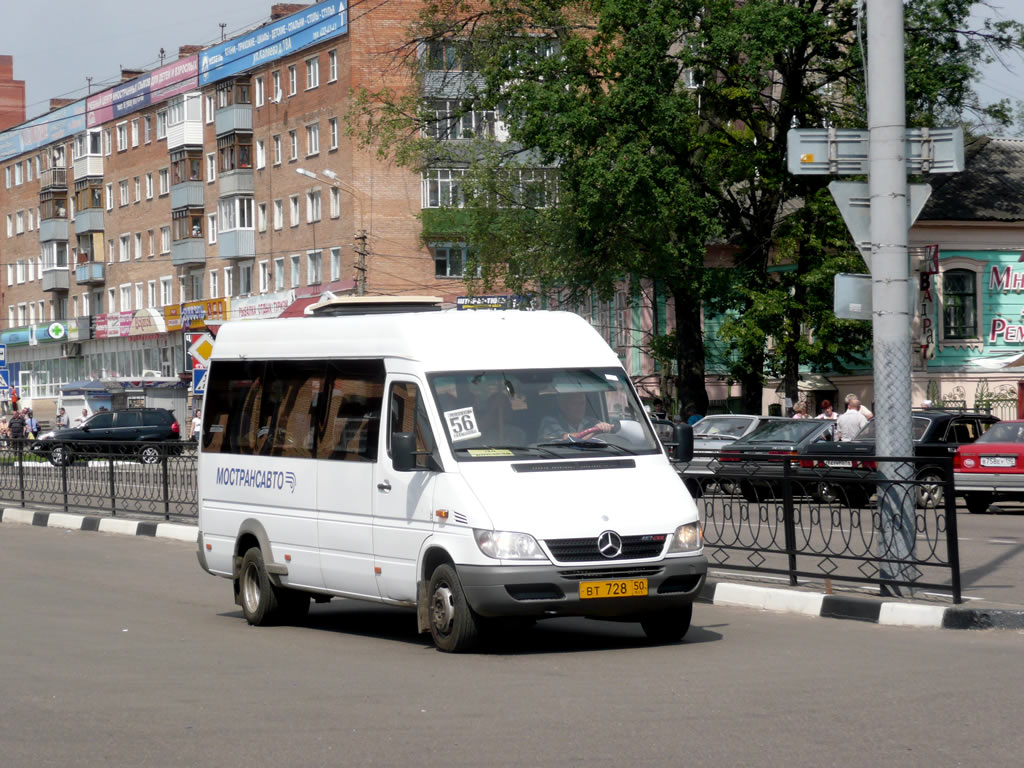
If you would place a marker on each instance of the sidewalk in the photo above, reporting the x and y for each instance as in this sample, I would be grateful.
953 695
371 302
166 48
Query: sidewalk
717 591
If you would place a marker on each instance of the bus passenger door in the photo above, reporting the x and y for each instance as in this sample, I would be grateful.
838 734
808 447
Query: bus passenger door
403 501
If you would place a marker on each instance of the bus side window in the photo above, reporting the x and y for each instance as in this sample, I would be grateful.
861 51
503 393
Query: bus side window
407 414
349 429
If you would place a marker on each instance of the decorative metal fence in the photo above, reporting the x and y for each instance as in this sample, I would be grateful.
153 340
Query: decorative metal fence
852 521
111 478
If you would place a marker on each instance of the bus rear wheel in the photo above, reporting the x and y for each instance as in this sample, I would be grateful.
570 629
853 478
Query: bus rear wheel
258 596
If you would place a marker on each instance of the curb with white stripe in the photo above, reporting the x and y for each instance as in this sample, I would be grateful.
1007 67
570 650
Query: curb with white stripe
901 614
904 614
121 525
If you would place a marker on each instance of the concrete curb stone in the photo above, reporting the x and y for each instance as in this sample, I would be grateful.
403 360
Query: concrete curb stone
119 525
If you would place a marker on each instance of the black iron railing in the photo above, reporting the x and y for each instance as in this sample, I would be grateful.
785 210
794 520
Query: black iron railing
113 478
870 520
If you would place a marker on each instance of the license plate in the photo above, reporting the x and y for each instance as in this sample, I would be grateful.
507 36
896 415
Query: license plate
998 461
617 588
835 463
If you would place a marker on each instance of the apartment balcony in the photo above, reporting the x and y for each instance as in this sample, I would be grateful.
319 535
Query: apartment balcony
191 250
236 183
187 133
237 117
89 220
237 244
188 194
90 273
90 165
56 279
53 229
53 178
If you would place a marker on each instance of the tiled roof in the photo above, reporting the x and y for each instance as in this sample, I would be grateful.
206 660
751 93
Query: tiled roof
990 188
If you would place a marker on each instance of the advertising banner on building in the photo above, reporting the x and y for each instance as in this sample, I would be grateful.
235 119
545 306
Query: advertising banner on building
113 325
264 307
274 41
196 314
60 124
151 88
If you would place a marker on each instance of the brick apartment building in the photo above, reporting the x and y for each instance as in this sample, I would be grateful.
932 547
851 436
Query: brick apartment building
218 186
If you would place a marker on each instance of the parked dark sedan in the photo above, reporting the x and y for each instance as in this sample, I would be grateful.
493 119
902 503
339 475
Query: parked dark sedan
846 472
136 431
710 435
756 462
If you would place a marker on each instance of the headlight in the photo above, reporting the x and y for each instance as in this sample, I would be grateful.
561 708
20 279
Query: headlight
504 545
687 538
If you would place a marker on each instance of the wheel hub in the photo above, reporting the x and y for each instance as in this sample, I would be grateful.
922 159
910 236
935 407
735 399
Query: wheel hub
442 607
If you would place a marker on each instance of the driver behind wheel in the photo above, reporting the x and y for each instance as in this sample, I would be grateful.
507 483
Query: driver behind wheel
572 421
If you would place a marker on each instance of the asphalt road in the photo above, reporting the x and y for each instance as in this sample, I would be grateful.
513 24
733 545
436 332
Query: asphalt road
120 651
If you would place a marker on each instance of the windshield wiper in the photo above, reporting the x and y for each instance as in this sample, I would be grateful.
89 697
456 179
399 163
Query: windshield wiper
588 445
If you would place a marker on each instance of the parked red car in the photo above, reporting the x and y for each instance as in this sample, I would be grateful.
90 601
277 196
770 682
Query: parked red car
992 467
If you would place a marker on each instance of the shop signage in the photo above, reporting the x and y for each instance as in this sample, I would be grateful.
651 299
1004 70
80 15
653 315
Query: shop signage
1001 330
147 321
196 314
112 325
1005 278
60 124
151 88
263 307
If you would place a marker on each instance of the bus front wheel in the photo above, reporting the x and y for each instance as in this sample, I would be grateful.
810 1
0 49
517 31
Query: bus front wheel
454 625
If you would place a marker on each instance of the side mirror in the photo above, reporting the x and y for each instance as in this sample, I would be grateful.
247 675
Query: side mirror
403 451
683 438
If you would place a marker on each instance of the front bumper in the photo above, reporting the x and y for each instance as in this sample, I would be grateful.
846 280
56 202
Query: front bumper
553 590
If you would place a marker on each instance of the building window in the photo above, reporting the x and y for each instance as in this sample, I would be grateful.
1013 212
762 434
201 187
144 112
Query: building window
235 213
277 149
450 259
335 202
293 80
335 264
295 270
147 129
261 154
135 133
275 82
235 152
149 186
264 276
313 139
442 187
278 214
332 127
140 295
151 293
261 217
312 72
165 239
211 228
258 90
166 289
137 183
211 105
125 248
161 124
211 168
165 180
313 268
108 197
138 245
123 191
455 120
959 304
293 145
244 279
229 285
332 66
151 239
279 274
122 137
214 284
293 211
107 144
313 206
126 298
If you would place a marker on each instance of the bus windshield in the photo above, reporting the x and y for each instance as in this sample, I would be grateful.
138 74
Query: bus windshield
541 413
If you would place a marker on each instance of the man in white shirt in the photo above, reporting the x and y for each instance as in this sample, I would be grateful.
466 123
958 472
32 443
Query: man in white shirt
849 425
860 406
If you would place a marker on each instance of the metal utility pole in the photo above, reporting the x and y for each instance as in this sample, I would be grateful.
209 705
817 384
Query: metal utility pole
360 250
890 279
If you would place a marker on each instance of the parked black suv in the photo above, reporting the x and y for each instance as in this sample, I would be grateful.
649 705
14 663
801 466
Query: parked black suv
135 431
936 433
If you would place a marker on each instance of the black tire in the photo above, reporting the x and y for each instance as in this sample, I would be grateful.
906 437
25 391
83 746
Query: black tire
454 626
978 503
827 493
150 454
667 626
258 596
929 492
60 455
845 495
754 493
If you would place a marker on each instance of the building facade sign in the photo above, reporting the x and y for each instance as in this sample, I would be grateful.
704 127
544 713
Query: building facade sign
196 314
263 307
151 88
147 322
60 124
274 41
112 325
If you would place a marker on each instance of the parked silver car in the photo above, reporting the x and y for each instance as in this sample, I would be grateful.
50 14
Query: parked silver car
710 435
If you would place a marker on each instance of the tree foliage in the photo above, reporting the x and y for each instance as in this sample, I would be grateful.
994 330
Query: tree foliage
667 122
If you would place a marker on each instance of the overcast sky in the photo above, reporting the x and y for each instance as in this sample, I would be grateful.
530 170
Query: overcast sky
56 45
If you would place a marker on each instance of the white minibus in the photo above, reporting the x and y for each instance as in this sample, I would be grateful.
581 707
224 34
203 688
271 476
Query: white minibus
473 465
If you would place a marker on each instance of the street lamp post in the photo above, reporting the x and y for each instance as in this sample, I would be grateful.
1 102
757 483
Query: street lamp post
360 235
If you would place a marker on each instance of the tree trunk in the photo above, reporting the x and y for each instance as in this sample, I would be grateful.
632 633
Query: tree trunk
691 387
751 385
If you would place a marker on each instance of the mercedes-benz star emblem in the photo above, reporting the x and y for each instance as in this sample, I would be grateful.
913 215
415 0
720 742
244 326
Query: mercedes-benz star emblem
609 544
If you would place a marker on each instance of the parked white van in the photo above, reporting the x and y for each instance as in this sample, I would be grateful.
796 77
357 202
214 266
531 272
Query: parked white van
473 465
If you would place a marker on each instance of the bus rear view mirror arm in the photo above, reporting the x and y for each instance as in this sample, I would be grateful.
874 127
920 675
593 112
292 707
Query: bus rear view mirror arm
683 448
404 453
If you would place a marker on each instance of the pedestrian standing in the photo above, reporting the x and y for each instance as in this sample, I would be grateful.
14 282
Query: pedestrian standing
63 420
17 427
197 425
81 419
800 410
849 425
865 411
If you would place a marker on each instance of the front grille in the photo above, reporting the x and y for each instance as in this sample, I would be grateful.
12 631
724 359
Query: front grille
636 572
583 550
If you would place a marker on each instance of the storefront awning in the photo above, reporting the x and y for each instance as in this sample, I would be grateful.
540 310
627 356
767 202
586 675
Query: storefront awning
1000 362
298 307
